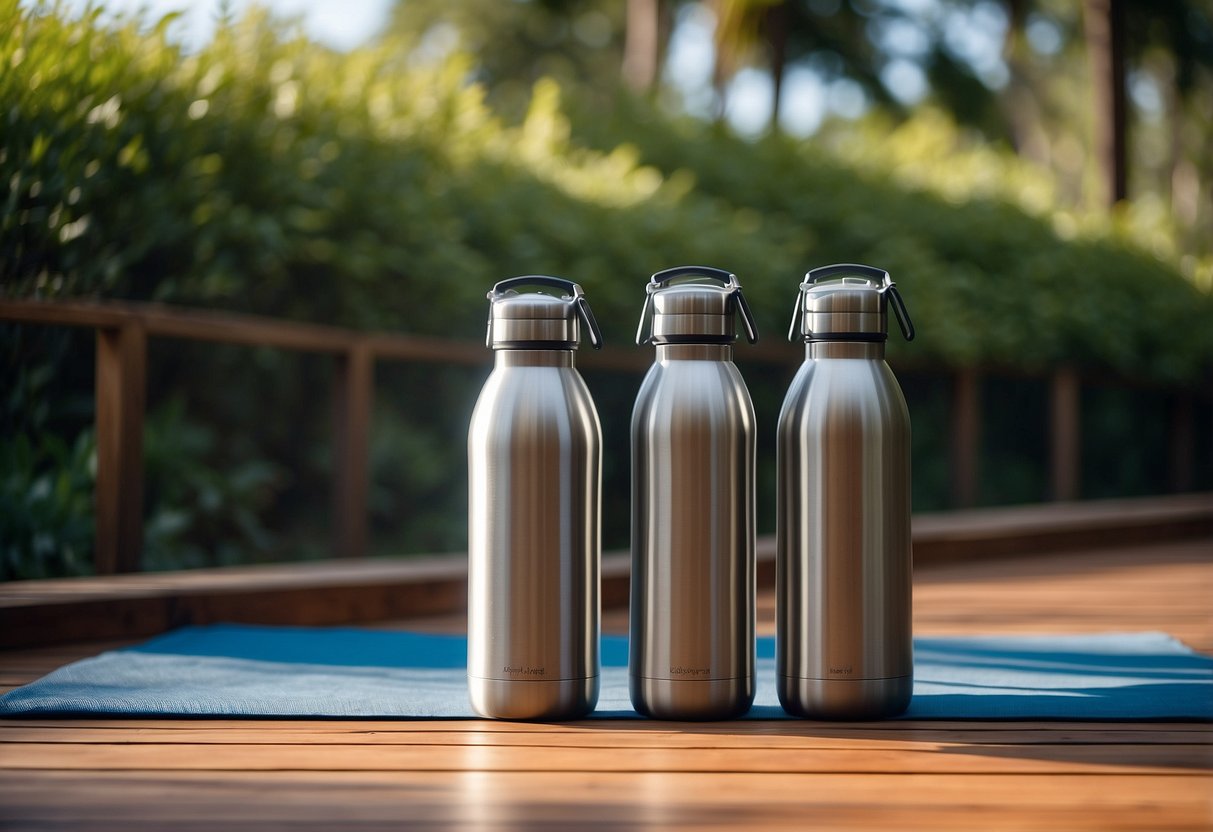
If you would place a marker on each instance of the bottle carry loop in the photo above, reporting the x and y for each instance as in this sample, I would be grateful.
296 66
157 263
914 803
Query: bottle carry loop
660 279
879 276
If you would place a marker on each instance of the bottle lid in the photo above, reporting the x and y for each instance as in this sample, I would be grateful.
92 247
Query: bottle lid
853 307
534 320
702 310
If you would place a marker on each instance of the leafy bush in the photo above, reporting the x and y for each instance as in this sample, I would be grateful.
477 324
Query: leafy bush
46 506
200 513
990 274
271 175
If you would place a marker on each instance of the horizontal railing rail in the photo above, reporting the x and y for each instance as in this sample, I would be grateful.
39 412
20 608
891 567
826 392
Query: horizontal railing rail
124 328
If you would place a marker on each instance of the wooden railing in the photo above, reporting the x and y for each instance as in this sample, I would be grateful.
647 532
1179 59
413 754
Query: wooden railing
123 331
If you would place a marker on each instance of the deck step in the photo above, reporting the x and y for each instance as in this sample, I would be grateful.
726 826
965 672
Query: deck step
34 613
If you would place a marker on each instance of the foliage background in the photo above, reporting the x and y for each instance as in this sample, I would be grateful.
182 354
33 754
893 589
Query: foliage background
375 190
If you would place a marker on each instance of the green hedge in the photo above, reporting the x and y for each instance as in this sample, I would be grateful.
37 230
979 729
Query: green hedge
271 175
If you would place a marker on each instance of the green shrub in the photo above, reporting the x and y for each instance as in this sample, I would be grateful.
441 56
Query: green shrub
46 506
269 174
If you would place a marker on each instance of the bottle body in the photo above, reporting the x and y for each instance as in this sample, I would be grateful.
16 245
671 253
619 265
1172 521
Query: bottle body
534 540
844 562
692 591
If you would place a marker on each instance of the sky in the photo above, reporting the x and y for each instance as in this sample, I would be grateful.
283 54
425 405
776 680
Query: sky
974 34
340 24
347 24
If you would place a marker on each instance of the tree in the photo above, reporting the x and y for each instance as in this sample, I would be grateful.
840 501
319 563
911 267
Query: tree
1104 25
518 42
776 33
648 29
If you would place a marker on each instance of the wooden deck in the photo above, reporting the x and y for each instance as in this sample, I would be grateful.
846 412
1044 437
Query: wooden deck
198 774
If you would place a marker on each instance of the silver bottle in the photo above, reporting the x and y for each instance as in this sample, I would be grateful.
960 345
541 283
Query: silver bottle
534 512
844 647
692 593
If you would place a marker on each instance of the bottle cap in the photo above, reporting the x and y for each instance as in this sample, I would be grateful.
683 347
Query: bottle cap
702 310
533 320
853 307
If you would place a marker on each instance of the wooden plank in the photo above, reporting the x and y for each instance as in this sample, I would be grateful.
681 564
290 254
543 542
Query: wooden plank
359 591
319 594
247 330
1016 530
66 313
930 728
159 320
427 349
196 324
121 392
754 774
792 734
854 757
1064 434
354 388
568 800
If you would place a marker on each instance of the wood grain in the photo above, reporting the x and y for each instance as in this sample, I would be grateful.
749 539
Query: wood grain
120 394
354 402
151 774
599 801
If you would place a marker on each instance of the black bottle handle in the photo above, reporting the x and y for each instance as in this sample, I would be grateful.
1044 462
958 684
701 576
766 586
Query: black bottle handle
870 272
570 288
666 275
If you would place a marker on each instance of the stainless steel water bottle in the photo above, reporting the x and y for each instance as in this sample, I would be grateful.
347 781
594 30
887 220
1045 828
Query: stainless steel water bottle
692 595
844 647
534 511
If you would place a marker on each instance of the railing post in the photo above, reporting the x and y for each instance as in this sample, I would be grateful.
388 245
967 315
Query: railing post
1064 434
355 396
966 436
121 393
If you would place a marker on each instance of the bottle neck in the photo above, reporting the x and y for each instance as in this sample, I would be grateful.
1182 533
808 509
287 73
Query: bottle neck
844 349
533 358
694 352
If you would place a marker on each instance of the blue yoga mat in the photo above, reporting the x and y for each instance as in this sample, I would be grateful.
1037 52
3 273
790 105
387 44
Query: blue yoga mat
248 671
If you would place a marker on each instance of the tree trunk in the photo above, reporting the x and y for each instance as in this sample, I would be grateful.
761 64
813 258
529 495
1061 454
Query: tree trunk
1019 101
776 31
1104 23
642 45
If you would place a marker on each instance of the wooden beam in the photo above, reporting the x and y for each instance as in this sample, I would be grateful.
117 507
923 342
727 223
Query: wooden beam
966 437
365 590
355 395
1064 424
64 313
121 390
161 321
